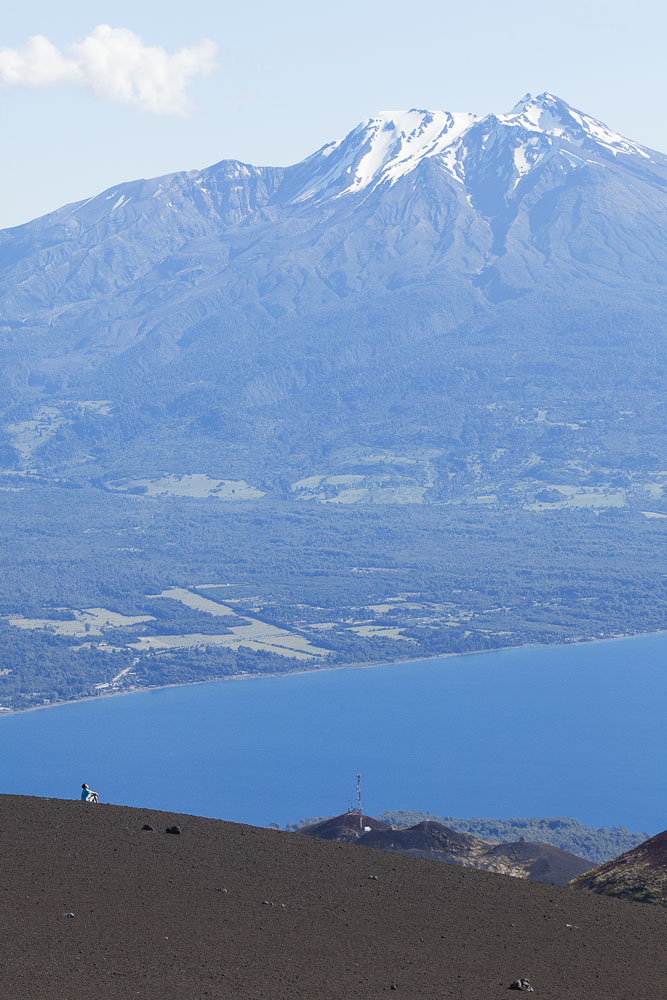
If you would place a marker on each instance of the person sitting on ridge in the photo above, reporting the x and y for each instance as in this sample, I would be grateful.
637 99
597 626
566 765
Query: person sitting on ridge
87 794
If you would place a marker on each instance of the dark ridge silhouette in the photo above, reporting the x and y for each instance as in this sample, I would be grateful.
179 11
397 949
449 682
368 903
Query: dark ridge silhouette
432 841
227 910
639 874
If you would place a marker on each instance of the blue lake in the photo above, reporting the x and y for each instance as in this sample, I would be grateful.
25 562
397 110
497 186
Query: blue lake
575 730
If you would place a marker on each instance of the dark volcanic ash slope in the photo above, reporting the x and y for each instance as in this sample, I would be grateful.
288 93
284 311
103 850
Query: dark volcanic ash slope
432 841
233 911
639 874
540 862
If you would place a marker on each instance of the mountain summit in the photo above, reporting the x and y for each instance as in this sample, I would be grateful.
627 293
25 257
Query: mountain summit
394 143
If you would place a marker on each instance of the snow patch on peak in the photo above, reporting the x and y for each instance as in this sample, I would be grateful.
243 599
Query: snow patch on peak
398 140
605 137
122 201
330 147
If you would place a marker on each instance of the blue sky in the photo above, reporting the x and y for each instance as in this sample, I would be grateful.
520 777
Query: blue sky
290 76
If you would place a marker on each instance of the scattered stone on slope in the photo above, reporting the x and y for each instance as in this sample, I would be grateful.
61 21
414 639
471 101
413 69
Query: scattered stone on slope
173 829
521 984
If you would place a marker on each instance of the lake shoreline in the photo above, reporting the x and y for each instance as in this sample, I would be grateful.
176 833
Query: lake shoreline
507 735
6 713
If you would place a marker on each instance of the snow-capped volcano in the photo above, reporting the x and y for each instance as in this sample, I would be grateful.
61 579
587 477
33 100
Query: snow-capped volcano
493 198
392 144
393 281
483 159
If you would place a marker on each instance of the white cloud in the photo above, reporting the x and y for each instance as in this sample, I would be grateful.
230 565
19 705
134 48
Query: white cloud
114 64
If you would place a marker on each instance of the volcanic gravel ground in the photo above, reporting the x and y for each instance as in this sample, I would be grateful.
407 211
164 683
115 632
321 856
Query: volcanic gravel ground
224 910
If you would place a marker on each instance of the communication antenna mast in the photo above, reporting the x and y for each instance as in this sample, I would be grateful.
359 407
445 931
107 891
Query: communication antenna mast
361 820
